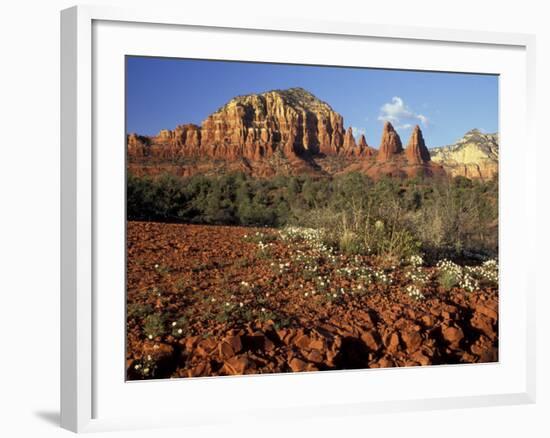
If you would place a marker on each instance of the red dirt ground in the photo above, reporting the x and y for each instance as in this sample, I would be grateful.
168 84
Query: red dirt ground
221 306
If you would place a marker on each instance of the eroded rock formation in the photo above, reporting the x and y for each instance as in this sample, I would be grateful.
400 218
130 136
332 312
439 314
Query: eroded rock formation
416 151
293 132
364 148
390 145
292 122
473 156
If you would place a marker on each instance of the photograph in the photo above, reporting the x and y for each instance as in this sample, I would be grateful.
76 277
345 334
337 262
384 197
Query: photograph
285 218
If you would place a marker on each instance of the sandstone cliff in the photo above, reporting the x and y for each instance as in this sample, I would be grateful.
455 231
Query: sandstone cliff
392 160
364 149
292 123
474 156
390 145
292 132
416 151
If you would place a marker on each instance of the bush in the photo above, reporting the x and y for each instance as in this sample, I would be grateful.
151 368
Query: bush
138 311
394 244
351 243
180 327
438 217
154 325
448 280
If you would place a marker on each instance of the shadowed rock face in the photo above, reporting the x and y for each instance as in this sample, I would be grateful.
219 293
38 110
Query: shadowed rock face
393 161
352 149
364 147
349 147
137 145
416 151
390 145
349 141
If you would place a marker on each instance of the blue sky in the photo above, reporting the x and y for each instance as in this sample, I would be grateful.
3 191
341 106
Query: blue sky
164 92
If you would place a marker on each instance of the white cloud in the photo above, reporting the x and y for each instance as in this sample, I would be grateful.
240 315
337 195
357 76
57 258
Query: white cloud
357 132
400 115
423 119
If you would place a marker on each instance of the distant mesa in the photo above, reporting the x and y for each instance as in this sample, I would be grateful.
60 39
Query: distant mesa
278 132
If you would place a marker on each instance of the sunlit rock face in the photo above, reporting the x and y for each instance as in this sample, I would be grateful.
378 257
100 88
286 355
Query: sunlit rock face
416 151
473 156
292 122
390 145
292 132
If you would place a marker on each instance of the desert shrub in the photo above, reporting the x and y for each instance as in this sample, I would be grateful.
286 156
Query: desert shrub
393 241
260 237
414 292
162 269
399 244
154 325
180 327
264 251
231 313
217 208
458 217
444 218
487 272
357 231
145 367
138 310
448 279
451 275
351 243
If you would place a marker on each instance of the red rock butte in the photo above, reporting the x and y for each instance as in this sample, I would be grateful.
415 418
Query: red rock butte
292 122
390 145
416 151
364 147
280 131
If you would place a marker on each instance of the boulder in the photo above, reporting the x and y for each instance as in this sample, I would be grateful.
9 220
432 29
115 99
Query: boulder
236 365
453 335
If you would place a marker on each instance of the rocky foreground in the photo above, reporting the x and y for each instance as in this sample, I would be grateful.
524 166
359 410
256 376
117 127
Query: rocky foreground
216 300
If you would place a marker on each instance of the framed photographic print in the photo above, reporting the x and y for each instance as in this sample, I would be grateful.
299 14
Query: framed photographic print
334 218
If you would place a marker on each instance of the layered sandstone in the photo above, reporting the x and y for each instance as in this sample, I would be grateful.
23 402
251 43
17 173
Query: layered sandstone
137 145
289 132
292 123
390 145
473 156
364 148
349 148
416 151
393 161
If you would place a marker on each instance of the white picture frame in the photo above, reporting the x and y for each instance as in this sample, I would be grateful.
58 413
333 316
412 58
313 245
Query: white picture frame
84 320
